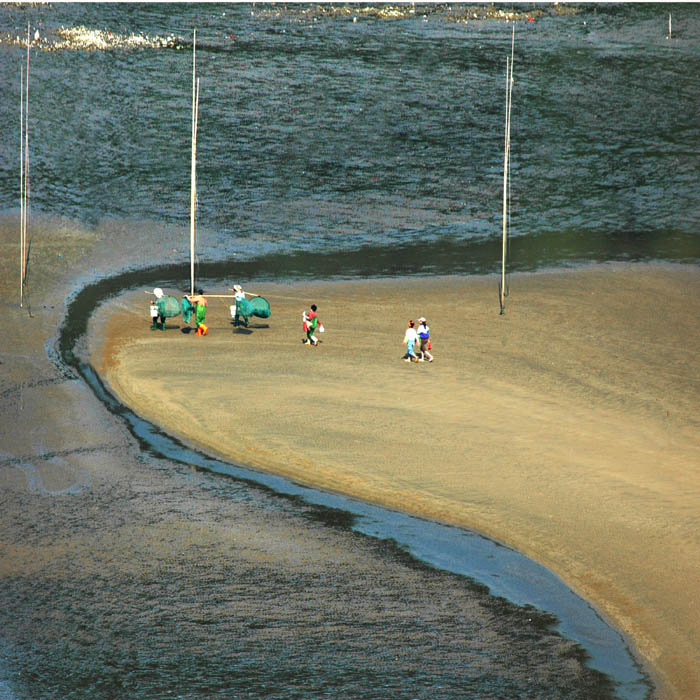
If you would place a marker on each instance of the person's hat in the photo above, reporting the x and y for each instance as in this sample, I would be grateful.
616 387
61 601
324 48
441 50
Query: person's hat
158 292
421 320
237 287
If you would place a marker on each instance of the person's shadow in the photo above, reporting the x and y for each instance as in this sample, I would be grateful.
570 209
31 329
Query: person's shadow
247 330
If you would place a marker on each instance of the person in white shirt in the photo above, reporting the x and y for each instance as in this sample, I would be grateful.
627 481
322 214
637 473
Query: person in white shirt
424 337
240 309
154 315
410 338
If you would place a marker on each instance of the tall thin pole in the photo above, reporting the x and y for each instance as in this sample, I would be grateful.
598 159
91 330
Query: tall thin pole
21 186
26 164
194 146
193 176
505 199
24 173
506 174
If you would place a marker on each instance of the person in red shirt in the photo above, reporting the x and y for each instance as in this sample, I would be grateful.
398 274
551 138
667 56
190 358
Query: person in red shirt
311 322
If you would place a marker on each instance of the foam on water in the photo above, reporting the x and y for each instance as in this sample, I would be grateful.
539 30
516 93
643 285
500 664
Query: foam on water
86 39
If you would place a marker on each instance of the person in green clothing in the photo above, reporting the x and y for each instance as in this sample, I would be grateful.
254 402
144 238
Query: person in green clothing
199 301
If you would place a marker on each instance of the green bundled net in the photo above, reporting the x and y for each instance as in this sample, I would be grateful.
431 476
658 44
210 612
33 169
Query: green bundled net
261 307
168 307
257 306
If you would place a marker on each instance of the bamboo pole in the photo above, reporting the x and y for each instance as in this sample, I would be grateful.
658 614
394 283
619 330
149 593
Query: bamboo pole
193 176
230 296
26 165
506 174
510 106
505 193
194 192
21 186
24 173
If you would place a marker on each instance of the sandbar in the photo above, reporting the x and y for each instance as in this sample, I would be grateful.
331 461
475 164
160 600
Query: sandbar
566 428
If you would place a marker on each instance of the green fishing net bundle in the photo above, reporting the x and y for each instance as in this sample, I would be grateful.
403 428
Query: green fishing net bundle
168 307
261 307
257 306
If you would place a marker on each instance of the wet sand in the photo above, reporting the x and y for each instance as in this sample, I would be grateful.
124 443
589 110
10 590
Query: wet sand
567 428
122 575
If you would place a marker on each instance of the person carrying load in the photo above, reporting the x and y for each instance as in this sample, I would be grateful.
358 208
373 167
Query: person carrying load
166 307
199 301
242 309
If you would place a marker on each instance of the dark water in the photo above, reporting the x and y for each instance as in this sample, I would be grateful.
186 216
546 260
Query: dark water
367 147
319 132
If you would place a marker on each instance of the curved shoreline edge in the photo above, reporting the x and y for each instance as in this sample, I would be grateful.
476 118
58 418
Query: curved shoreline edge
624 288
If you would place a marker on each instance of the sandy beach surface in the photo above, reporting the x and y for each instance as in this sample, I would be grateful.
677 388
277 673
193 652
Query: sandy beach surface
566 428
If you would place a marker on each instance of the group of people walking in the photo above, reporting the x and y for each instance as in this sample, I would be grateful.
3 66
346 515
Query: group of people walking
196 304
418 337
